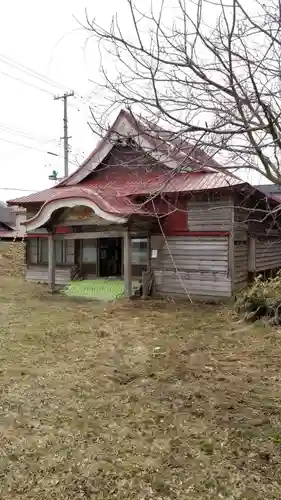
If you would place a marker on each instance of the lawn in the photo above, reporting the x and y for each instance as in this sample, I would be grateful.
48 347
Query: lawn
135 401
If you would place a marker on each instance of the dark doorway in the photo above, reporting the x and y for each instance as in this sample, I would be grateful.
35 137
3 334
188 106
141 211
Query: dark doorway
110 257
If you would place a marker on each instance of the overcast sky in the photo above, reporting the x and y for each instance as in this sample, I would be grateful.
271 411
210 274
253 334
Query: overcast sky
45 37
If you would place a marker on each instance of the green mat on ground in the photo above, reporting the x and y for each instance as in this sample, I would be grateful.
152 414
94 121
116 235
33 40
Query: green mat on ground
100 289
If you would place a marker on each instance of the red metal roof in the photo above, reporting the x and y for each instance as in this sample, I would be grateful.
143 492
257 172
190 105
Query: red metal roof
111 190
115 191
172 143
111 204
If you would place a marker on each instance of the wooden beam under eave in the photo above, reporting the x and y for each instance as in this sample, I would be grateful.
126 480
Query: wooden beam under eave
92 235
100 234
127 257
51 263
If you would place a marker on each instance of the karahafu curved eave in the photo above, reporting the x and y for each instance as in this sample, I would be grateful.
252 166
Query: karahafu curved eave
46 211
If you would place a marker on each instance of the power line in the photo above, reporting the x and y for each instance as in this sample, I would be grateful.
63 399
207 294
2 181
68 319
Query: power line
7 128
18 189
33 85
49 81
29 147
36 74
21 67
22 145
26 83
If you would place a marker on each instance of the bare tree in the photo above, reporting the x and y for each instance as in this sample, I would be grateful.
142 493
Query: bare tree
208 69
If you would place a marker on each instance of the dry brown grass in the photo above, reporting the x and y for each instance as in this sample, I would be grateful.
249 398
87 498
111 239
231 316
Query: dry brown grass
135 401
11 258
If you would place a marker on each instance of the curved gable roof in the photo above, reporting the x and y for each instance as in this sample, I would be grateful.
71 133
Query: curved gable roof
201 172
163 146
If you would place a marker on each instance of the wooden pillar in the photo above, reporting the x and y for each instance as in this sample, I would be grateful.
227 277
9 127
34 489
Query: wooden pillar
127 256
148 252
51 262
147 274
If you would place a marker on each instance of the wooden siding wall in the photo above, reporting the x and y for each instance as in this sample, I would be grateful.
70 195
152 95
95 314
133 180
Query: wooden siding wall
39 274
268 254
209 213
240 264
268 241
261 226
250 224
197 265
240 241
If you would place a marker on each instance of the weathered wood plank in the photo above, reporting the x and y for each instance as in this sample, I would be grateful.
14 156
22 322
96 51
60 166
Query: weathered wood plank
214 215
268 254
193 252
188 266
201 267
170 282
240 277
40 274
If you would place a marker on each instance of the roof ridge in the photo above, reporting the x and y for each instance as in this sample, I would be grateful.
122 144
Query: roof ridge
147 133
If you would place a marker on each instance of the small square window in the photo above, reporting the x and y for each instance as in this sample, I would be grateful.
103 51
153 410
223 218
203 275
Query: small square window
139 251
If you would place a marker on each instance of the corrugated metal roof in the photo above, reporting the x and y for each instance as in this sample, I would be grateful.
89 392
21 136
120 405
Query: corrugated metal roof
39 197
172 143
183 183
115 190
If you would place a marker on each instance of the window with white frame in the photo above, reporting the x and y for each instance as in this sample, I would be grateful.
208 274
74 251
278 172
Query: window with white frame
38 251
43 250
89 251
140 251
32 250
60 248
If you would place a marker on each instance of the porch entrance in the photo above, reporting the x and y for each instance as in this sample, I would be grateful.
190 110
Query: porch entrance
100 257
104 260
110 257
103 257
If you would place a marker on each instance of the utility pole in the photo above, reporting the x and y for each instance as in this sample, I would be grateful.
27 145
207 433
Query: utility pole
65 128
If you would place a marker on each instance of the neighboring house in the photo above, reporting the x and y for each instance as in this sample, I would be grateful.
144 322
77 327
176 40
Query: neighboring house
270 190
144 201
11 219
